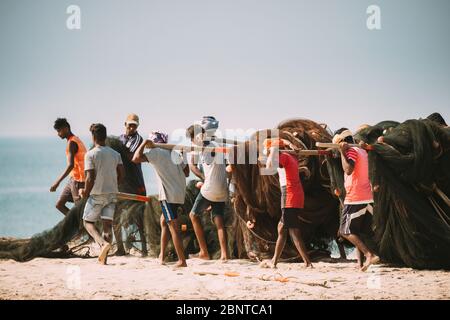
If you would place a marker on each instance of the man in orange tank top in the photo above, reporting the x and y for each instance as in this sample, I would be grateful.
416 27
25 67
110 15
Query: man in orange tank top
75 151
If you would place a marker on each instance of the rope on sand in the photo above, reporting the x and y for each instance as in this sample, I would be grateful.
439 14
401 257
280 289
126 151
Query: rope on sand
278 277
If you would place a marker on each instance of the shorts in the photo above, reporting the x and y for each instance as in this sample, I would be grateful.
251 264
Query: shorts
290 217
169 210
356 219
100 206
70 191
201 204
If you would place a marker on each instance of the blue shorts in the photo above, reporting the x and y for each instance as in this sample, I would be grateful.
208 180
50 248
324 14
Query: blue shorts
100 206
169 210
201 204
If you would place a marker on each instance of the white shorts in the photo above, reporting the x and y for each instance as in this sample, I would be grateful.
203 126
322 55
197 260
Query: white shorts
100 206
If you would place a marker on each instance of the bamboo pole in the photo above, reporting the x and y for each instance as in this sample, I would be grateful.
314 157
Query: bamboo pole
134 197
337 146
305 153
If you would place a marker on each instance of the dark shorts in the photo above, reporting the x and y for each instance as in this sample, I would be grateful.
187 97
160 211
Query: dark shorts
169 210
290 217
201 204
70 191
356 219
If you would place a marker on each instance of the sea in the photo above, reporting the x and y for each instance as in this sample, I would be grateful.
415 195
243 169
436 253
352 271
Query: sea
28 168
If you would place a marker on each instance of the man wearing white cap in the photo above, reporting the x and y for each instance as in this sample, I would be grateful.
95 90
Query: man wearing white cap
358 203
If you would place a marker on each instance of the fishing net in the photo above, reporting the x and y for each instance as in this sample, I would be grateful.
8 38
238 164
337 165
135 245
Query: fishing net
44 244
257 197
410 175
136 226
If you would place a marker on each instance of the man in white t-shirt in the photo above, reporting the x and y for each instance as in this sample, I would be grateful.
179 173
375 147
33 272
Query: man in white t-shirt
171 172
213 192
104 170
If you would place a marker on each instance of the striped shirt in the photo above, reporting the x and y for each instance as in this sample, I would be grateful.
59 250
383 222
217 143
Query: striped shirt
351 155
357 185
131 142
134 179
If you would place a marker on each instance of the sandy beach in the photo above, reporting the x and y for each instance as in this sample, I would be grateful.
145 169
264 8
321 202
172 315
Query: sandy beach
132 277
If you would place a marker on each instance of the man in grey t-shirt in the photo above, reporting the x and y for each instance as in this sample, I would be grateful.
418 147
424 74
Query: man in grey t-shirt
104 169
171 172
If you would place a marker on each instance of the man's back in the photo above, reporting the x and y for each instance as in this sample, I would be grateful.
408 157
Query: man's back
171 179
104 161
291 187
215 187
357 185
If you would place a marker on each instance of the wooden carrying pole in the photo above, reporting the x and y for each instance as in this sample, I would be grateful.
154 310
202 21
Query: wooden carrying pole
305 153
190 148
336 145
134 197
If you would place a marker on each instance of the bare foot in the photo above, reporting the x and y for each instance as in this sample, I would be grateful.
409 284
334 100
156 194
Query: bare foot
252 256
200 255
264 264
64 248
102 258
180 264
372 259
161 260
267 264
309 265
273 264
360 262
223 259
120 253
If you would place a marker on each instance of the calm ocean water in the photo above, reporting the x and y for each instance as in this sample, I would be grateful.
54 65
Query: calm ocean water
28 167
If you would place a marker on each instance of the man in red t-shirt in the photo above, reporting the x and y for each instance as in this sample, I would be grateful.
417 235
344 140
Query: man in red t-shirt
358 203
292 198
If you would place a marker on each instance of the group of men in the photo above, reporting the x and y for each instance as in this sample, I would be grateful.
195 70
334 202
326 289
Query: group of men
98 174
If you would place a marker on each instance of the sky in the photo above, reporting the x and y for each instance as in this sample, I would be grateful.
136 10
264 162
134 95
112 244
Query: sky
249 63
